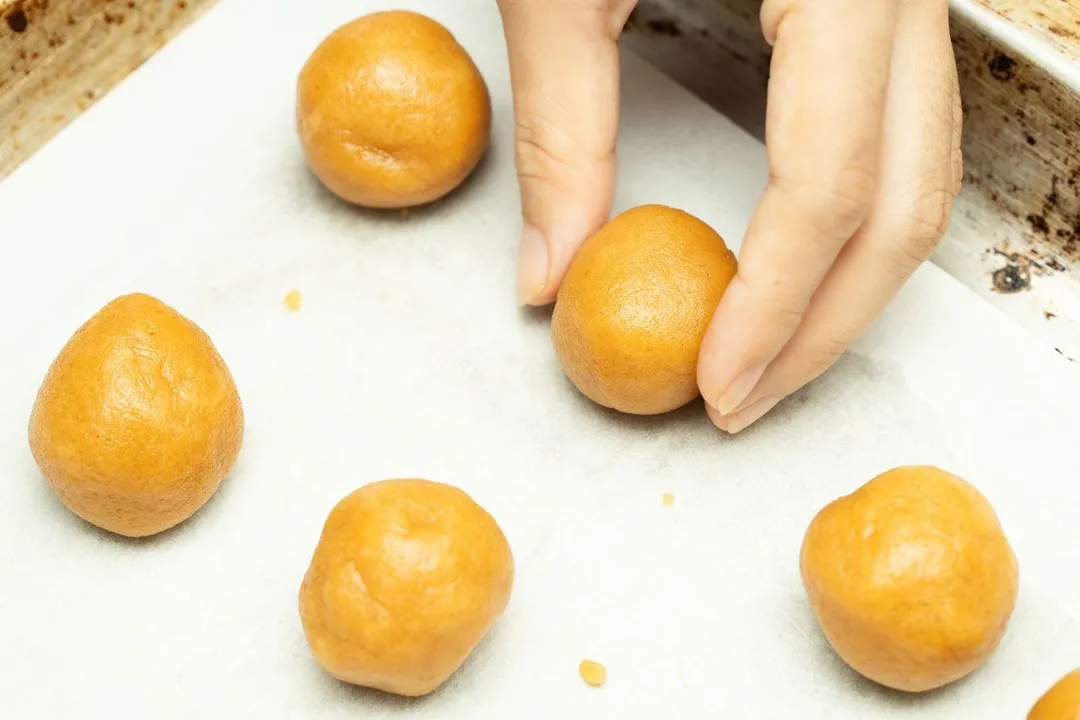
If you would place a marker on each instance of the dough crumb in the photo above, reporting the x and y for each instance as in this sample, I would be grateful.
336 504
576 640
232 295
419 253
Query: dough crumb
593 673
293 300
669 499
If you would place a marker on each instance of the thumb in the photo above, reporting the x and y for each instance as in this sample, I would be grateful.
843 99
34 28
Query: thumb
564 70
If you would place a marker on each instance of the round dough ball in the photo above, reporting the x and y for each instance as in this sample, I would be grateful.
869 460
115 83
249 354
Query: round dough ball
634 306
911 578
391 111
407 578
1061 702
138 420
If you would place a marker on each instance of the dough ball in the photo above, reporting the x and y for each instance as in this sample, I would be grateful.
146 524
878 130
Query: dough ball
634 306
911 578
391 111
407 578
138 420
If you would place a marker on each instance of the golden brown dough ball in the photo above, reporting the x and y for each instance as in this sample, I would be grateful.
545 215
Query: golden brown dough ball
634 306
391 111
138 420
408 576
911 578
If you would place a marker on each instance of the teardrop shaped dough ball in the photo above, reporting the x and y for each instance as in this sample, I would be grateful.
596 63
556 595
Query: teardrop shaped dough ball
391 111
634 306
911 578
408 576
138 419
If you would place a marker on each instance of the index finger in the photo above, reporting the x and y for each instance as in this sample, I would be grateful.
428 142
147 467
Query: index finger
828 77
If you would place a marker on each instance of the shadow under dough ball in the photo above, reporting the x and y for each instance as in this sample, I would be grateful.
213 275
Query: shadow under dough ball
391 111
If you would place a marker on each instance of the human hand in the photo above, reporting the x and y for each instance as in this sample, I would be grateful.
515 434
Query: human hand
863 138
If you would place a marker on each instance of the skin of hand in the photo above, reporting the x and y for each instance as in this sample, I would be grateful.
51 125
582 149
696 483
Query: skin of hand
863 140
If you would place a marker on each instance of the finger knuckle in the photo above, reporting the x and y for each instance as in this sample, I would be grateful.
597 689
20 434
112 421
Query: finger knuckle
537 149
923 228
931 215
845 196
838 202
777 300
956 158
957 161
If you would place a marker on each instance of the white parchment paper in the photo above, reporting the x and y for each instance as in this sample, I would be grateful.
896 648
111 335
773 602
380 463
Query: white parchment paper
409 358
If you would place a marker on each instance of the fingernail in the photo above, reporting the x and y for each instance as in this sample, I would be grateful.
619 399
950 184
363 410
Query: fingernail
532 274
753 412
739 388
720 421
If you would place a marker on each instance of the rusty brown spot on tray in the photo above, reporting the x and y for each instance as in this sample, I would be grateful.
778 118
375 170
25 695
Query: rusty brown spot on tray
1039 224
69 53
1011 279
17 20
1061 31
1015 275
1051 20
1019 125
1002 67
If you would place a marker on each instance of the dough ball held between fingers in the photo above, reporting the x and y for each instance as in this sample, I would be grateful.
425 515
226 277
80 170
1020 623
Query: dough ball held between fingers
634 306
